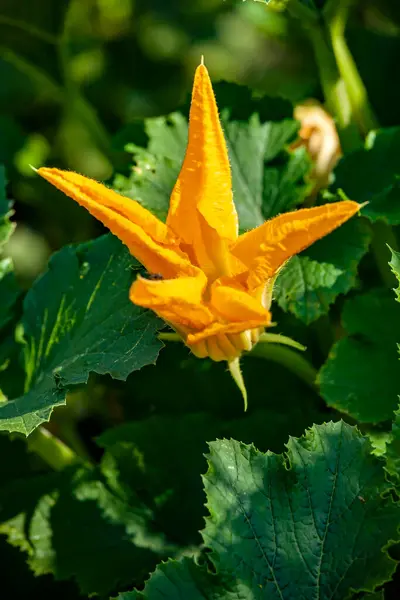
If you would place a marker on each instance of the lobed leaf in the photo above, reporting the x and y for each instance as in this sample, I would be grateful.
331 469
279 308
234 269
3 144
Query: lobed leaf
77 319
308 524
143 451
360 377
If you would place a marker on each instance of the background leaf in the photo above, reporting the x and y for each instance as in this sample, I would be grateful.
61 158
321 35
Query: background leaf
77 524
144 451
77 319
372 175
278 522
6 226
360 377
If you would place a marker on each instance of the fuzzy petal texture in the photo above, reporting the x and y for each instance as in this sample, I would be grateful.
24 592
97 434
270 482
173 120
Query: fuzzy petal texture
178 301
135 226
202 198
235 305
265 249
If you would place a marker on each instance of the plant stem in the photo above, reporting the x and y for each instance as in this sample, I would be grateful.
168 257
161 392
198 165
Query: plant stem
83 108
335 92
361 108
298 10
169 336
288 358
50 449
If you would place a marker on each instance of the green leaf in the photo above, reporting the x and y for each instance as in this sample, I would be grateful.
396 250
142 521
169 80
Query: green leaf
311 282
267 179
313 521
143 451
78 319
76 525
6 226
395 266
393 447
9 291
373 174
360 377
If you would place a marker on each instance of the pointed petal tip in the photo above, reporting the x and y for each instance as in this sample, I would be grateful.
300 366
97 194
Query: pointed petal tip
34 169
360 206
202 60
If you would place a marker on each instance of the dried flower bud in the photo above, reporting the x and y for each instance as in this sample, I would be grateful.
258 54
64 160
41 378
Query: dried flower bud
318 133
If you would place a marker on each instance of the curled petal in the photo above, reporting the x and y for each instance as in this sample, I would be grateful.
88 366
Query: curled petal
237 305
265 249
136 227
177 301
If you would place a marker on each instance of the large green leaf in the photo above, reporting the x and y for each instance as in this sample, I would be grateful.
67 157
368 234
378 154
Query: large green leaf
77 524
373 174
143 451
77 319
360 377
267 179
311 282
310 523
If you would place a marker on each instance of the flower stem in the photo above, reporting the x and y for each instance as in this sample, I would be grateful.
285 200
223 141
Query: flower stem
333 85
288 358
52 450
361 109
169 336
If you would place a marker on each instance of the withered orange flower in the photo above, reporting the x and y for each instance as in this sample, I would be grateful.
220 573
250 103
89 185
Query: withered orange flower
213 286
319 135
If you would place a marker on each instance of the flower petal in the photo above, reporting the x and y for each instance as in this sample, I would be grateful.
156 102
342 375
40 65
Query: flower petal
221 328
204 184
145 236
235 305
265 249
178 301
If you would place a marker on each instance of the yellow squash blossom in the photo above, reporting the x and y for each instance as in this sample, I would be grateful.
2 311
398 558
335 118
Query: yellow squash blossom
210 284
